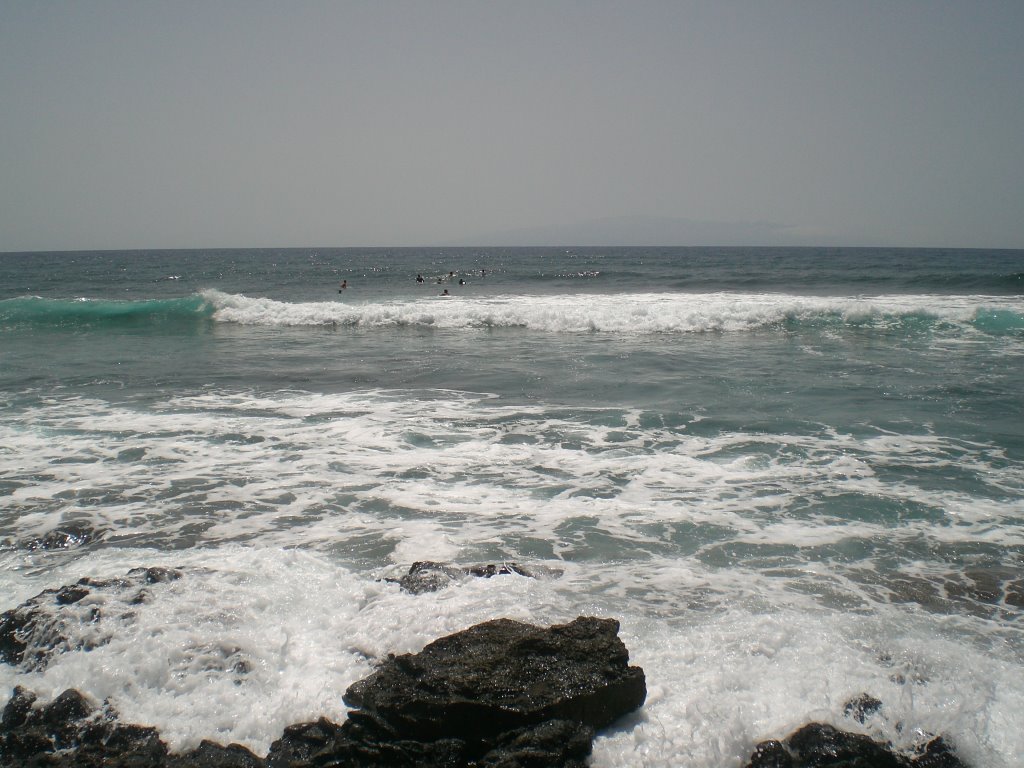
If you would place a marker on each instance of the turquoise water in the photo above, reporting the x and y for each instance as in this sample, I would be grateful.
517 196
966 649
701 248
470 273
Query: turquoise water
793 475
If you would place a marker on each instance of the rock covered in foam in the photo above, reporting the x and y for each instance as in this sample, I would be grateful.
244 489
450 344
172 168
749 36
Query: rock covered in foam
428 576
75 533
32 632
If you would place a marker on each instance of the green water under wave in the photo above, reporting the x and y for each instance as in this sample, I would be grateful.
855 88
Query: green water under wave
36 312
999 321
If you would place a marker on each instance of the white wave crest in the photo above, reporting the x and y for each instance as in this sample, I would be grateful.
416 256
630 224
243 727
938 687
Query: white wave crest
639 313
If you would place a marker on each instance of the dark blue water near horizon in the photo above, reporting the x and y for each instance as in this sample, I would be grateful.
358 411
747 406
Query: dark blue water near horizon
793 475
138 274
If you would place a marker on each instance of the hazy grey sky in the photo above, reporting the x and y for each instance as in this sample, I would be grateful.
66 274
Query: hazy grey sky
141 124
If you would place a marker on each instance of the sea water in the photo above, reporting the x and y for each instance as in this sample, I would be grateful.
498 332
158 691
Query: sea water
793 475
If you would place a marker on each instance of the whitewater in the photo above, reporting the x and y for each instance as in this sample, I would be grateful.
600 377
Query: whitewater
622 313
793 475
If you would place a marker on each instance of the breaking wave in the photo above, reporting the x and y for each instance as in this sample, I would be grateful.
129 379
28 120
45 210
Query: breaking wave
637 313
640 313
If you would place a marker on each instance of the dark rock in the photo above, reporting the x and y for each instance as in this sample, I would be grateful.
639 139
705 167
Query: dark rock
366 742
818 745
426 576
862 707
502 675
28 732
17 709
155 575
13 626
71 534
429 577
68 708
43 625
937 754
142 743
299 743
24 747
771 754
505 569
815 743
70 732
501 694
128 747
62 718
71 594
210 755
555 742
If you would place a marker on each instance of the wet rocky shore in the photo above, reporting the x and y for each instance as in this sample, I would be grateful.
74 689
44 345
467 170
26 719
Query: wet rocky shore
500 694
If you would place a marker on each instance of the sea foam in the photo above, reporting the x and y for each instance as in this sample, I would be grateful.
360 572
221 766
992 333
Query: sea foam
644 313
251 639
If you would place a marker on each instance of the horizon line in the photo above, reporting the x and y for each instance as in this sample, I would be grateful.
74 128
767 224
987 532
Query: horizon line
505 247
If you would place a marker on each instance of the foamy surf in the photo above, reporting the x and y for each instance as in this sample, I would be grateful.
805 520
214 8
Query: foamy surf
649 313
187 468
793 477
252 639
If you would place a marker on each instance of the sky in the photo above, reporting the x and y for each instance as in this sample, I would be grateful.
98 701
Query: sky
241 123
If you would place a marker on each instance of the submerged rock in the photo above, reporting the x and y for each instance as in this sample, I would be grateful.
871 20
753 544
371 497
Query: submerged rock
862 707
428 576
68 535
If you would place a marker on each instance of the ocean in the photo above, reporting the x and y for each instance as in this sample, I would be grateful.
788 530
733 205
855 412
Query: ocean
793 475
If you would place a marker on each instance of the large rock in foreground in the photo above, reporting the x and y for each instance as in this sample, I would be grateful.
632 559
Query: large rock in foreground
501 694
365 742
502 675
498 695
